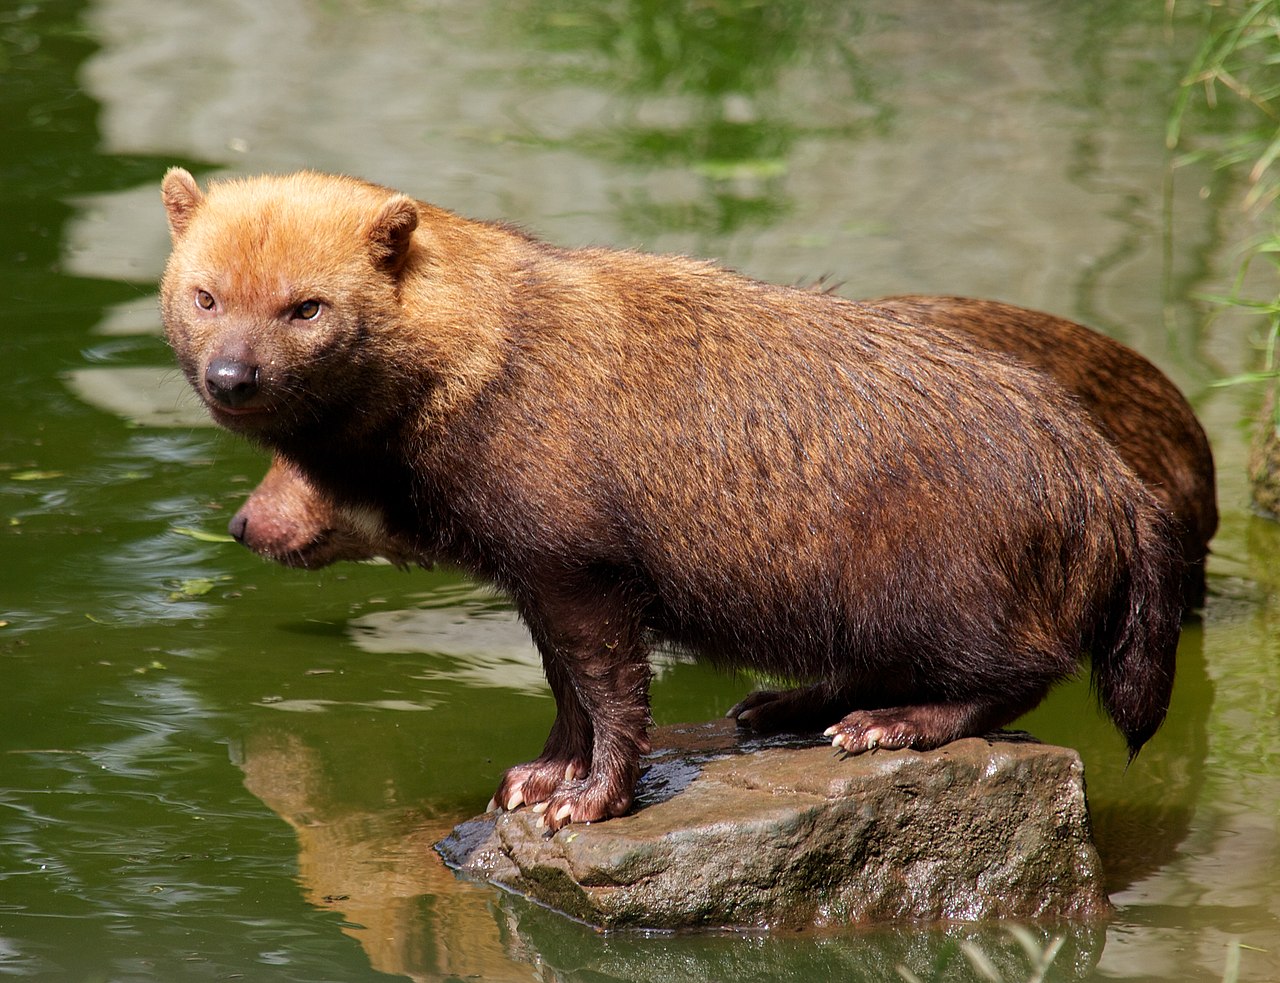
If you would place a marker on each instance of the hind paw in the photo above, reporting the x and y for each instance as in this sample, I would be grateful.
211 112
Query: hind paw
889 729
797 710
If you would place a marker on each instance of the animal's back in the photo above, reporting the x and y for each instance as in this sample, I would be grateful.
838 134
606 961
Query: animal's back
1134 404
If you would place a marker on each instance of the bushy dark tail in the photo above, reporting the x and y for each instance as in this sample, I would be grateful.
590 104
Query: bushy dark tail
1134 654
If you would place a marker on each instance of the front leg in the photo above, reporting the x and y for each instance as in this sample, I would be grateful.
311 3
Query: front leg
596 662
565 756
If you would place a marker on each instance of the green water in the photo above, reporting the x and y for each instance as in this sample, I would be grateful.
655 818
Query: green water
211 768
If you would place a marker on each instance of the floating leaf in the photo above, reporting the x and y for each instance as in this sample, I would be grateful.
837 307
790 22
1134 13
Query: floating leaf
36 475
194 587
199 535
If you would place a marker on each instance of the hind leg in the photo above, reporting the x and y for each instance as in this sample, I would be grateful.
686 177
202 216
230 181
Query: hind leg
924 726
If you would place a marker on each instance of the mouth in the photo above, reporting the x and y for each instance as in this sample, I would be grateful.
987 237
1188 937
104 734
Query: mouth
239 417
221 410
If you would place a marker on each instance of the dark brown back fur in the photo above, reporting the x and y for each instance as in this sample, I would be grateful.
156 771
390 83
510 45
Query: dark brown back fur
1133 403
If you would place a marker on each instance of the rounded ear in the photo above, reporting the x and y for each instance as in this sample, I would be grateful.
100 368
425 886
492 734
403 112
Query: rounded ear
181 196
391 233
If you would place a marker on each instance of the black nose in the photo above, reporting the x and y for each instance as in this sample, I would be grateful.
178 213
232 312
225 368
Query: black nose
237 526
231 382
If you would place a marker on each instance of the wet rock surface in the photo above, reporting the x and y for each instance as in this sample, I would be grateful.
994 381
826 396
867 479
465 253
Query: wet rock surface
735 832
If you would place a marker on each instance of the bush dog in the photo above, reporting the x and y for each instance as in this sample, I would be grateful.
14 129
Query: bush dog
646 448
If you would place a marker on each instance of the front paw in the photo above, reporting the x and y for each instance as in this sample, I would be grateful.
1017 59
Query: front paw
584 800
532 784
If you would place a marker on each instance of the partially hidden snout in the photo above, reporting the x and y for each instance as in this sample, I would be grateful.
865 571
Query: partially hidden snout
231 382
286 520
269 533
280 528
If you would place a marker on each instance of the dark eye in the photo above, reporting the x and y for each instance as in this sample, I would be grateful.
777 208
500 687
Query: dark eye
308 310
205 300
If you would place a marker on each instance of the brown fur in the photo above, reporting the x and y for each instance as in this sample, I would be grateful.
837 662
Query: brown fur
1133 403
639 447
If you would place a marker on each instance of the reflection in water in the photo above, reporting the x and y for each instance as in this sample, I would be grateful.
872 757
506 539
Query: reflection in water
378 869
147 396
697 89
486 646
484 642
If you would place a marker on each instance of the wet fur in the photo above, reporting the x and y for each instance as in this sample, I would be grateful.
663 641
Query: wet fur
638 446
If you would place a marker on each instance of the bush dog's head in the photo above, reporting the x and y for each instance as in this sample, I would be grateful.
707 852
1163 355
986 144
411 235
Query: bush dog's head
276 292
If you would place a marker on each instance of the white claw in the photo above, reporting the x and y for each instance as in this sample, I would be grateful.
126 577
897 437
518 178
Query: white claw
563 813
540 807
570 772
837 741
830 731
493 805
516 799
